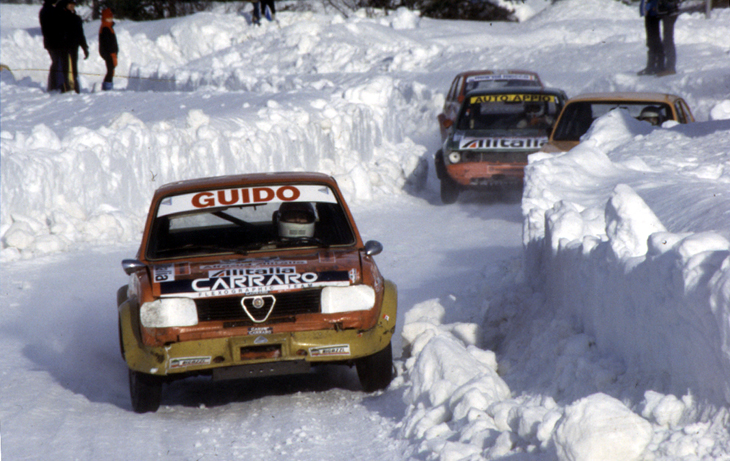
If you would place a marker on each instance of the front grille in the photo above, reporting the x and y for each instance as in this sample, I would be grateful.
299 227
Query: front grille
286 307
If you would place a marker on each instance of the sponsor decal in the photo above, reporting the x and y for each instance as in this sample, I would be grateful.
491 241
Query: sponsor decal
163 273
511 98
244 196
353 275
260 331
330 351
257 263
260 340
502 143
494 77
252 280
183 362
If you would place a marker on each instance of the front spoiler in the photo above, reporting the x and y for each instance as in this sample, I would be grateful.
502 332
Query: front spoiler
241 356
484 174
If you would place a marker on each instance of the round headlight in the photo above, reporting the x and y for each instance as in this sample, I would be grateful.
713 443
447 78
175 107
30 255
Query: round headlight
454 157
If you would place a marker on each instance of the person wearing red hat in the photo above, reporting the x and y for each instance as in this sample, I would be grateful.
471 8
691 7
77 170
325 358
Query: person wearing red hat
108 47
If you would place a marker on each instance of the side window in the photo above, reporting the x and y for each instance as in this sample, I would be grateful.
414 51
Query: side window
459 86
452 91
687 112
681 116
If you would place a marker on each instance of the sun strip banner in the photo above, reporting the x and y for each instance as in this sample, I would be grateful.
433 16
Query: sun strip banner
198 201
511 98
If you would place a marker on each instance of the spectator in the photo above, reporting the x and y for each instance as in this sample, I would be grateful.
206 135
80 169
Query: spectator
49 18
73 39
108 47
659 19
268 8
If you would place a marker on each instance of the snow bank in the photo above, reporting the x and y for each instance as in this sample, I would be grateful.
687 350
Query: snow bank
460 408
94 185
608 261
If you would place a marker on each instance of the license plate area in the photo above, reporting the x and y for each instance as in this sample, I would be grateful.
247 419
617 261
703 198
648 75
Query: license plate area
260 352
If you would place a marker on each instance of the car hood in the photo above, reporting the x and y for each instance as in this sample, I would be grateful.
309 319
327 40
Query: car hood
237 276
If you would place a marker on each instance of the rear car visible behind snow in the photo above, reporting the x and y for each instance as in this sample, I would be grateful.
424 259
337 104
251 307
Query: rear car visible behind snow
582 110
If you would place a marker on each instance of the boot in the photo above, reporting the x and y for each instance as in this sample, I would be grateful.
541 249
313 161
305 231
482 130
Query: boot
652 65
107 86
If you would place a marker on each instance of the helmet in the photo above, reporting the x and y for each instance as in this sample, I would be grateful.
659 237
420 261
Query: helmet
295 220
534 110
651 114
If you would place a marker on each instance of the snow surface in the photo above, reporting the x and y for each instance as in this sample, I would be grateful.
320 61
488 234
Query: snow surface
588 321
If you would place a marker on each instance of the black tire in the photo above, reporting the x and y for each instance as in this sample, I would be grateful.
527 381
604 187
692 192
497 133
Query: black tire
121 295
146 392
376 371
121 298
449 190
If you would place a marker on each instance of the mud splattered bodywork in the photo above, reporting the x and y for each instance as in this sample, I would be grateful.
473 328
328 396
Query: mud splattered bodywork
253 275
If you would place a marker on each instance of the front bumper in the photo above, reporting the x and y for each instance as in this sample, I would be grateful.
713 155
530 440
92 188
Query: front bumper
476 174
239 356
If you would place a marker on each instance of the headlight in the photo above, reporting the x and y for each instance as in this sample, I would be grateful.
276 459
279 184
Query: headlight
454 157
347 299
169 312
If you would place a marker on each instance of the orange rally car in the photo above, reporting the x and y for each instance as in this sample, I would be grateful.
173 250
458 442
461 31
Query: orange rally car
252 275
493 133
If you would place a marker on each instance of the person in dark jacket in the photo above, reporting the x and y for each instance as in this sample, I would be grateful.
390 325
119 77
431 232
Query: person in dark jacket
659 19
50 20
74 38
108 47
259 7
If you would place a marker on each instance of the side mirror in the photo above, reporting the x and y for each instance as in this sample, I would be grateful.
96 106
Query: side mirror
373 248
131 266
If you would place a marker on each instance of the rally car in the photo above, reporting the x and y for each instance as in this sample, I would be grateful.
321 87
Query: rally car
471 80
494 132
581 111
252 275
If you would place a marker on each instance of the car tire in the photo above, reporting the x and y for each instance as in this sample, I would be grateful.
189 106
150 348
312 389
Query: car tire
121 298
376 371
146 392
121 295
449 191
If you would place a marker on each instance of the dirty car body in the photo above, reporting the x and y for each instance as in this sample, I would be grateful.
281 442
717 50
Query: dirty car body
253 275
580 112
495 131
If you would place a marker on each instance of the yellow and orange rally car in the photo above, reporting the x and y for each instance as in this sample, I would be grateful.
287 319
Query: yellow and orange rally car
494 132
253 275
580 112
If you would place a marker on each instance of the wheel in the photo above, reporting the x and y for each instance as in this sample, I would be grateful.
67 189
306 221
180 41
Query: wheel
376 371
449 190
121 295
146 392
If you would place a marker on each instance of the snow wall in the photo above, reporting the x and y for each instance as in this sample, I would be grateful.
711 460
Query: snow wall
50 201
660 300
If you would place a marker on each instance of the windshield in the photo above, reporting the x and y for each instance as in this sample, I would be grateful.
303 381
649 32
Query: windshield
510 112
491 81
248 219
578 116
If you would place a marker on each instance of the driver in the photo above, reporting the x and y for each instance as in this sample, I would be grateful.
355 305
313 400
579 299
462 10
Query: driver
651 114
534 116
295 220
